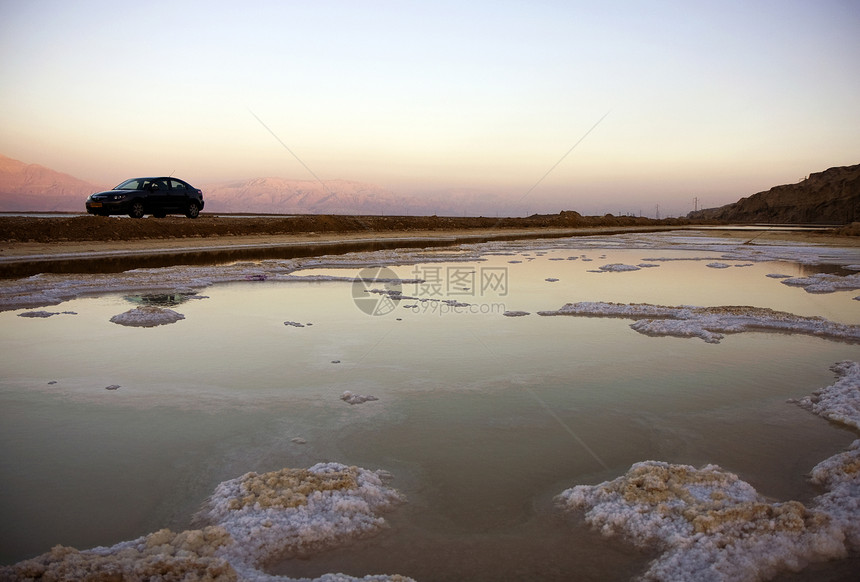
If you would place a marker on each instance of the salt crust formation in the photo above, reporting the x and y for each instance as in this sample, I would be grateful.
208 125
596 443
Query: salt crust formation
52 289
45 314
147 316
728 527
840 474
709 525
253 519
825 282
296 512
352 398
163 555
839 402
709 323
514 313
618 268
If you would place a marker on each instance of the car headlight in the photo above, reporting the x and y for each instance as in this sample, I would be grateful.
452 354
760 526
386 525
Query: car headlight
118 197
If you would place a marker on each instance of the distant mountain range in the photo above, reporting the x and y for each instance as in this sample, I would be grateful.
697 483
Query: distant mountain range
828 197
832 196
282 196
34 188
31 187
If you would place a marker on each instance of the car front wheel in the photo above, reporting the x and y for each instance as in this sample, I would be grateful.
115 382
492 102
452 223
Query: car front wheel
193 210
136 210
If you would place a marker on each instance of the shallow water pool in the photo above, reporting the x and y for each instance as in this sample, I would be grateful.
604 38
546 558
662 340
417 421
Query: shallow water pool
481 418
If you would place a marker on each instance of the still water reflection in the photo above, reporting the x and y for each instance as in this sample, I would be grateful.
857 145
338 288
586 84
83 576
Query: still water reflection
481 418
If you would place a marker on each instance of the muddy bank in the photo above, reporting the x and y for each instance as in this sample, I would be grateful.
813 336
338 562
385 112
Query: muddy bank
98 228
93 244
80 244
30 258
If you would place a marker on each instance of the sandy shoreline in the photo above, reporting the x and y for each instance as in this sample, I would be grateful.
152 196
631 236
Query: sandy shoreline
29 249
24 258
790 236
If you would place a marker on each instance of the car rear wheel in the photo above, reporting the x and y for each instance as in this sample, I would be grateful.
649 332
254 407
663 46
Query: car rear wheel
136 210
193 210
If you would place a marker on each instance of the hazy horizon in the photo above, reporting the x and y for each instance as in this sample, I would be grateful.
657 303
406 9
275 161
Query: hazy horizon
665 102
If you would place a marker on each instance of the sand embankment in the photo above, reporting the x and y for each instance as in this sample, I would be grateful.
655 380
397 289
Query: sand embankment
30 245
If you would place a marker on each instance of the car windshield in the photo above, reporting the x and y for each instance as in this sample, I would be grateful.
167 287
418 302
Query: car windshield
133 184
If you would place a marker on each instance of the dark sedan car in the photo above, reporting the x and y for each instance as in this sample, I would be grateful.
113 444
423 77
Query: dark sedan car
156 196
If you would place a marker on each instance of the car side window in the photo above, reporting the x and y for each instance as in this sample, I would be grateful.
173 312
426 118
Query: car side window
162 187
177 187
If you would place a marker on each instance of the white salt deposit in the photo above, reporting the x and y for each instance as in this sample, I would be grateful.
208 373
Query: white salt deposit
839 402
296 512
515 313
45 289
825 282
707 523
147 316
671 259
45 313
710 323
50 289
351 398
840 474
162 555
251 521
618 268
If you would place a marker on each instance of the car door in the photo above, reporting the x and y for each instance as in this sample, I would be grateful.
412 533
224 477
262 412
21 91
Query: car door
178 194
156 193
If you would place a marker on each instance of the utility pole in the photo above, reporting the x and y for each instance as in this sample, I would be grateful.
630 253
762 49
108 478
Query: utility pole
658 212
695 203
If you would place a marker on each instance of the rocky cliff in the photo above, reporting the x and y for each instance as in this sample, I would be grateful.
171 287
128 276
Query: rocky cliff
828 197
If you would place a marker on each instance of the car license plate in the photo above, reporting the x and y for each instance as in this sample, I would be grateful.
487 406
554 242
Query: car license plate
95 204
